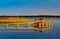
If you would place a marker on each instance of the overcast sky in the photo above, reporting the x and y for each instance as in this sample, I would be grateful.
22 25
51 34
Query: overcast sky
29 7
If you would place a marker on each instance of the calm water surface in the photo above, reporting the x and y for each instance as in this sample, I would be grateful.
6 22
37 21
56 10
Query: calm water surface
54 34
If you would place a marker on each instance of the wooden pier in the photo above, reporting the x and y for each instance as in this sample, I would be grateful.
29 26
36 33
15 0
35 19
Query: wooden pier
24 23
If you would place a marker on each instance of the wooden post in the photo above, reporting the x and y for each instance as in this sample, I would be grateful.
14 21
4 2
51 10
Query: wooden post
28 25
39 25
43 24
6 25
18 26
49 26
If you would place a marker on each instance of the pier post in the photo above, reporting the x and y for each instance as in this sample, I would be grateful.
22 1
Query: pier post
6 25
18 26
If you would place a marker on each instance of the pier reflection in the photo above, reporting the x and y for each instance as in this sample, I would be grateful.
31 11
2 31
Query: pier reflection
35 24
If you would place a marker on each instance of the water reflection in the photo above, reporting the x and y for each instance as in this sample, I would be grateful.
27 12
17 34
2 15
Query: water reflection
54 34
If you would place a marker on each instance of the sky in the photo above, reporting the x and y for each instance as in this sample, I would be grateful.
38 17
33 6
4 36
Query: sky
29 7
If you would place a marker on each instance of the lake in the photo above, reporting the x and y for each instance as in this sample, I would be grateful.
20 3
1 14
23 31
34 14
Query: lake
53 34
